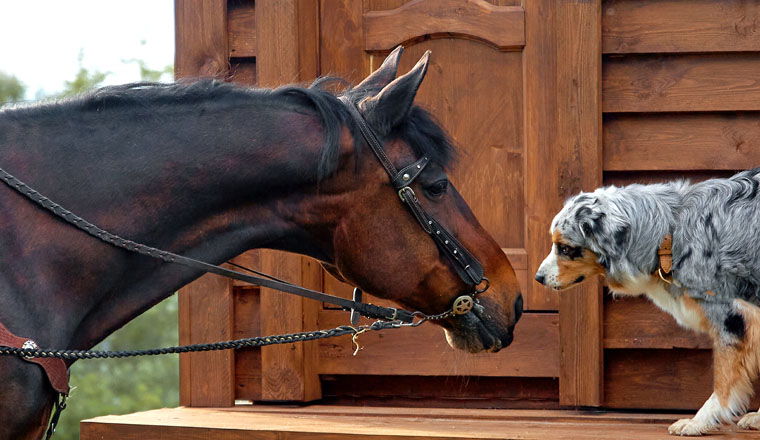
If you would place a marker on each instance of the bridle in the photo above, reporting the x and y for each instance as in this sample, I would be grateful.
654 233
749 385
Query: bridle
466 265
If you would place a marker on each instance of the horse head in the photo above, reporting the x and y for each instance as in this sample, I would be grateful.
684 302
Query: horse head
377 244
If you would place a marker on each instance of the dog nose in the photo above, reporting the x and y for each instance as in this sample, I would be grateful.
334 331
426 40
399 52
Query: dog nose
518 307
540 278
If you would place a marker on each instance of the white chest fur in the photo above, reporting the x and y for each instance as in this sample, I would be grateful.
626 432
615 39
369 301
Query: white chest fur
683 310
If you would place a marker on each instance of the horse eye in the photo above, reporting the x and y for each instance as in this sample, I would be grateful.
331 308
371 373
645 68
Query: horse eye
437 189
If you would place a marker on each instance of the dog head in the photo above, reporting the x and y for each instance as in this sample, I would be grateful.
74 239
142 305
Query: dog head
591 235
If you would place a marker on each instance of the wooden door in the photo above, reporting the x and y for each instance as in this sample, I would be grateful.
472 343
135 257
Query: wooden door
517 87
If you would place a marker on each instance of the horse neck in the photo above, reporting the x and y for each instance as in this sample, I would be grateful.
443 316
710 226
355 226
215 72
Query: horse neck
209 187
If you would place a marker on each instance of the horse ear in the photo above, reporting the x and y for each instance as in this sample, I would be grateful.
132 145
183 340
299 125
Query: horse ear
392 104
384 74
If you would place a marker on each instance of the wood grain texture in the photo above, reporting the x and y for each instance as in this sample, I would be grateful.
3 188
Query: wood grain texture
247 323
676 26
645 177
382 423
467 78
562 62
205 306
500 26
660 379
241 28
287 38
200 38
206 315
699 141
285 367
243 71
440 391
534 352
662 83
637 323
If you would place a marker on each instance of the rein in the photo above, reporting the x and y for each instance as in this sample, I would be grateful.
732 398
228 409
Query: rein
466 265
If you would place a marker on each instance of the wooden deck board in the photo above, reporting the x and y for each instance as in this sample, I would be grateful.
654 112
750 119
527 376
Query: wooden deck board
340 422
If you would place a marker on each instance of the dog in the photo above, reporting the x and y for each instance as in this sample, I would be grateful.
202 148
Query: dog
694 251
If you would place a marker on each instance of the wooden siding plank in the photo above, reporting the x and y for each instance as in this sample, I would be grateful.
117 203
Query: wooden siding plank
534 352
501 26
287 38
205 305
200 38
706 141
637 323
563 155
678 83
206 309
241 22
657 26
332 423
440 391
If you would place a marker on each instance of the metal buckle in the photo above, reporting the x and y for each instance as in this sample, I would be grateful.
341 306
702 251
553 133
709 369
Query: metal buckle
401 191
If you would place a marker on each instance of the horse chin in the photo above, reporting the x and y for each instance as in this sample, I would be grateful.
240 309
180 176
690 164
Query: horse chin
471 333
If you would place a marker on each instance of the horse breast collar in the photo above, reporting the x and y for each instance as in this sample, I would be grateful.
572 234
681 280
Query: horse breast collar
55 369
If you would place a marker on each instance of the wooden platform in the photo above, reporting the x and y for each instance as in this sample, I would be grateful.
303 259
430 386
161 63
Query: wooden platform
341 422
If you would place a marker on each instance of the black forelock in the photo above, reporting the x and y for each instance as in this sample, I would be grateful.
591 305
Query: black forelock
418 129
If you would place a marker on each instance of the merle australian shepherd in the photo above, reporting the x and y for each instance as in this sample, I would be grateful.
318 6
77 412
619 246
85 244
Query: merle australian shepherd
692 250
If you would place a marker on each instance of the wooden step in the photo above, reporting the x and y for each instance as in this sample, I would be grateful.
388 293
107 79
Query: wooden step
342 422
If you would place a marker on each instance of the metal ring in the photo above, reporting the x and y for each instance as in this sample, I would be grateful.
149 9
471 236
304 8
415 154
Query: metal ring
479 291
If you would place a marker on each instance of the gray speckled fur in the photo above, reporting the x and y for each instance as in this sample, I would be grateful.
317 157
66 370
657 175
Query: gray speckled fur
715 226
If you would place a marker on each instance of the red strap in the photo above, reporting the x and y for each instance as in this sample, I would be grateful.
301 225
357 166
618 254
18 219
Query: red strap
55 368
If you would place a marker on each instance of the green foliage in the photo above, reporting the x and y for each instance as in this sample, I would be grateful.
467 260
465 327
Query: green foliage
121 386
11 89
148 74
84 79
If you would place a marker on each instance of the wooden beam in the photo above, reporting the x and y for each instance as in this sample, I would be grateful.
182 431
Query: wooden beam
501 26
679 83
206 315
287 37
637 323
241 22
658 26
562 62
200 38
205 306
534 352
681 141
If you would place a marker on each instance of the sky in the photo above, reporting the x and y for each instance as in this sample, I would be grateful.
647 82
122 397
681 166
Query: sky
40 40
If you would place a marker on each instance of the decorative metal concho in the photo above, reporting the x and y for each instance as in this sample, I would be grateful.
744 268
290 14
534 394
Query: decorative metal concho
30 345
462 305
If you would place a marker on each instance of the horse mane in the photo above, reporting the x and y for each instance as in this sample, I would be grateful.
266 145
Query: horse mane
420 130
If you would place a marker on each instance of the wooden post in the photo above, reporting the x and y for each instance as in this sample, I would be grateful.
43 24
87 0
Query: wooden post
287 39
562 62
205 306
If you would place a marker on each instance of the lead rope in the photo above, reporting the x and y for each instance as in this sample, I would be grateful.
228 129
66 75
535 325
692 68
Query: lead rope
60 405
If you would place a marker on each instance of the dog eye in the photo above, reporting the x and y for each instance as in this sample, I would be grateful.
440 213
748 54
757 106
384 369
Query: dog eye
438 189
563 249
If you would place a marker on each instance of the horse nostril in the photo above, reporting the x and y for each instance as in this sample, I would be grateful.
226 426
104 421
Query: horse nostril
540 278
518 307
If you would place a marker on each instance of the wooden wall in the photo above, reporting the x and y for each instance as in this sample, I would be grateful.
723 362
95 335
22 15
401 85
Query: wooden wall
545 99
680 89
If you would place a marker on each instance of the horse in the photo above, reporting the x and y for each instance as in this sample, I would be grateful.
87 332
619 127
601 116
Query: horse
208 169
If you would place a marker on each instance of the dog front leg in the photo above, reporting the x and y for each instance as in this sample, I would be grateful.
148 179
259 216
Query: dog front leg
734 369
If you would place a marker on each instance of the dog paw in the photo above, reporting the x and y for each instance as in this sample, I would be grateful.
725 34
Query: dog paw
689 427
750 421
